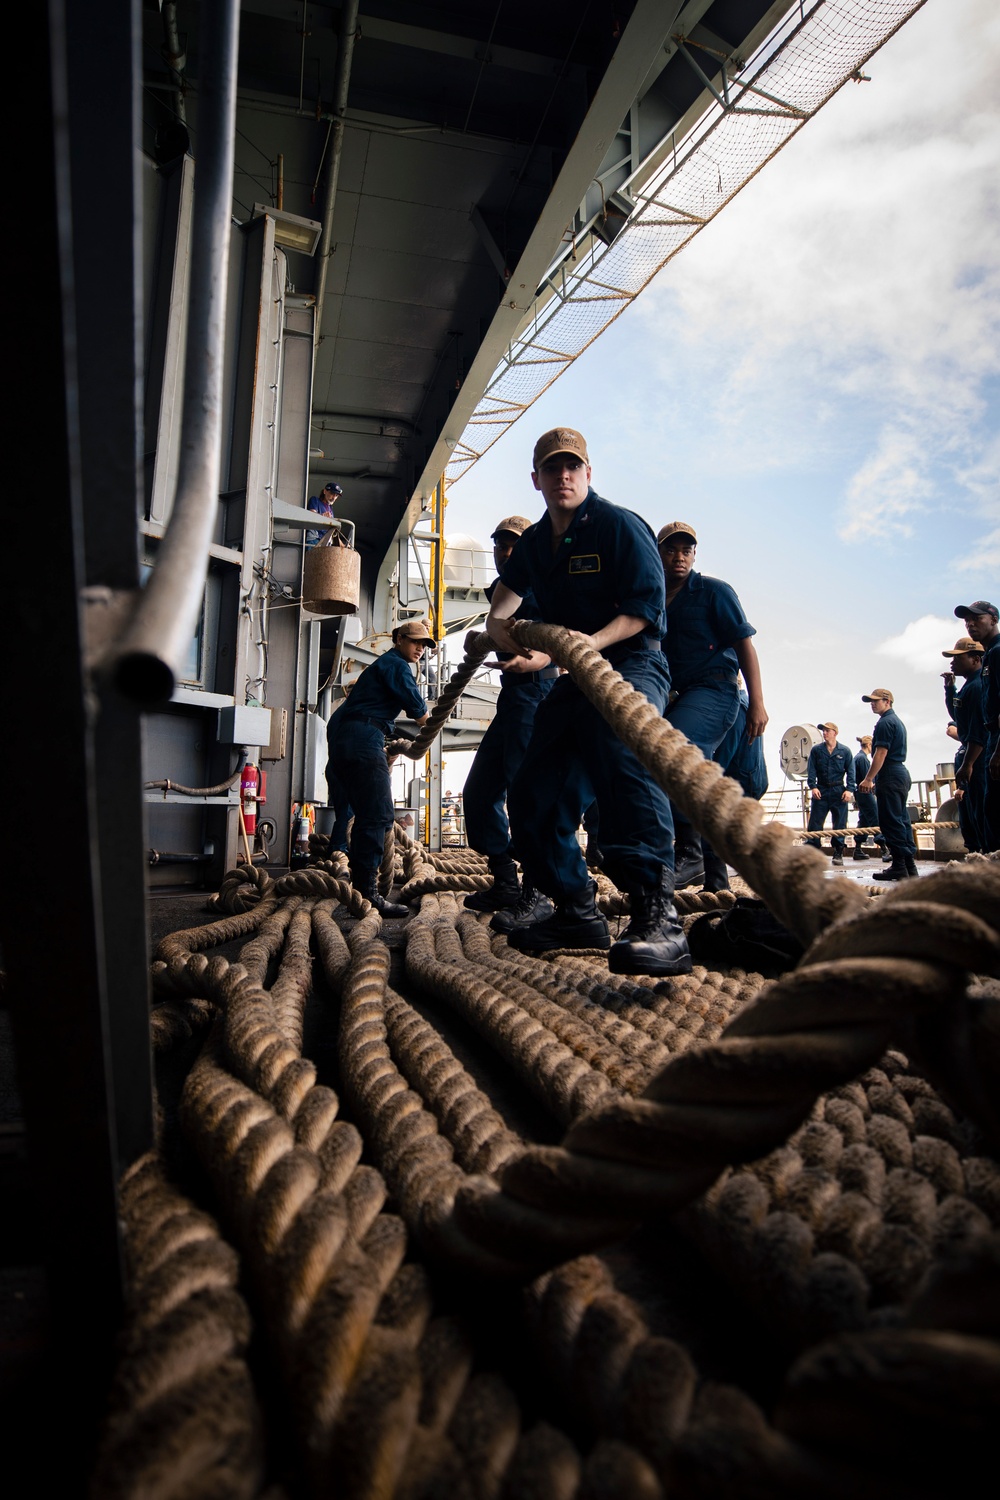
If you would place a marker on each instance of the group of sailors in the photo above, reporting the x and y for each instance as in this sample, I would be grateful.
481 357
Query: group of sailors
974 709
881 786
549 759
550 762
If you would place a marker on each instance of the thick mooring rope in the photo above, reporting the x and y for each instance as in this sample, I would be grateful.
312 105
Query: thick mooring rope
274 1147
182 1402
824 1179
727 1102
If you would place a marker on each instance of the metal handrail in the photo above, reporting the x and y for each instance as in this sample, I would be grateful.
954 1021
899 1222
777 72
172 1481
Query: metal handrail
147 662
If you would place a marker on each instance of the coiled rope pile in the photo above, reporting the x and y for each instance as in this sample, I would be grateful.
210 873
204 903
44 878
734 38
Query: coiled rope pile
479 1337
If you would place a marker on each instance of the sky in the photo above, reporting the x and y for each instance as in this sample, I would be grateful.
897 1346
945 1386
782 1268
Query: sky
814 384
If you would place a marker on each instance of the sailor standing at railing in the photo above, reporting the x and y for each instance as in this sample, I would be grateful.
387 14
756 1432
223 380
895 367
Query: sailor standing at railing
981 621
889 779
593 568
965 705
831 783
865 802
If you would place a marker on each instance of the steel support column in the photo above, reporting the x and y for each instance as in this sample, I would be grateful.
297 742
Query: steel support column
53 934
109 352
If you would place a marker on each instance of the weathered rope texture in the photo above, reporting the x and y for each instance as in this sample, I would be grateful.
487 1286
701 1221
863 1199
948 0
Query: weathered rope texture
829 1189
791 879
718 1104
183 1416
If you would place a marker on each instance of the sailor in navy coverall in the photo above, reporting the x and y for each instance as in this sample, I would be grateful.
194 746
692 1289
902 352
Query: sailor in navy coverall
526 683
981 621
890 780
707 644
865 802
742 760
592 567
965 706
357 771
830 778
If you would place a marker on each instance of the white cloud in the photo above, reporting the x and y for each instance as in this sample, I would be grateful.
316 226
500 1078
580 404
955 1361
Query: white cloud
919 646
861 267
891 483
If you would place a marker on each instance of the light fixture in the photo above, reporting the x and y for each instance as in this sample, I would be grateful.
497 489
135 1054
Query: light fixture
290 231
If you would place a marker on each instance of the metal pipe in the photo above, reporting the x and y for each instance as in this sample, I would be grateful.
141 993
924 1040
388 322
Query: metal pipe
437 555
174 56
345 53
199 791
302 54
146 663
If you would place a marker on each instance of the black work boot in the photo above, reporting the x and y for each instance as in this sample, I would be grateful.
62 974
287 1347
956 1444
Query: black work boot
896 871
859 853
911 865
531 906
365 882
576 923
689 864
716 870
505 890
654 941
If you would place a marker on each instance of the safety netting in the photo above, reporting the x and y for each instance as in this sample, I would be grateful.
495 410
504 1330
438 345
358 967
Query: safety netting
758 108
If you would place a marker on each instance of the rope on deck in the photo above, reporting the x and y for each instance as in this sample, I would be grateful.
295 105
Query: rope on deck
383 1398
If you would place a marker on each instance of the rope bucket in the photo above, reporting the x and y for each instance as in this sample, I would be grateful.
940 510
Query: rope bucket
331 579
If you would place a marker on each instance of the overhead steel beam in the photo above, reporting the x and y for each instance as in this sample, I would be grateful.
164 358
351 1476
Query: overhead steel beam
471 49
644 37
425 39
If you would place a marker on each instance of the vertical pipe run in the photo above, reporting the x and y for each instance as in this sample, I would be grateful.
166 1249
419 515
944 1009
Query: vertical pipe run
345 53
158 638
433 762
437 555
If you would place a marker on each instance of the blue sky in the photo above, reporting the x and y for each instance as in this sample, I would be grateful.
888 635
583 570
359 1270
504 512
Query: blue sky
814 383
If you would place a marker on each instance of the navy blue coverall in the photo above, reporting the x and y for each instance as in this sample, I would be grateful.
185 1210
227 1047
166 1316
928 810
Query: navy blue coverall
829 770
357 771
865 802
892 787
740 758
605 565
502 749
965 705
990 677
704 621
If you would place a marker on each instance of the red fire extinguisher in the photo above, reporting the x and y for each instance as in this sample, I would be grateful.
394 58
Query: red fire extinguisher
249 782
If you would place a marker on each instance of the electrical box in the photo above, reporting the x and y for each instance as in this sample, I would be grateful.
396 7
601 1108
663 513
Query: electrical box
316 755
277 745
242 725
